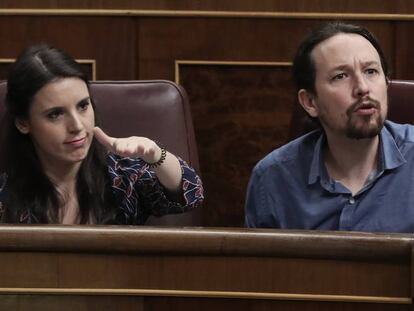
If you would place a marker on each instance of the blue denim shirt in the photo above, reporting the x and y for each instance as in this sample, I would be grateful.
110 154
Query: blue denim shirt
291 189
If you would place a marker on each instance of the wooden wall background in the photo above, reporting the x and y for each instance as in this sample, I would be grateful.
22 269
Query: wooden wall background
232 57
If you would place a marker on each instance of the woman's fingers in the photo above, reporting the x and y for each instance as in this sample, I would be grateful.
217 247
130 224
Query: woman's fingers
104 139
134 146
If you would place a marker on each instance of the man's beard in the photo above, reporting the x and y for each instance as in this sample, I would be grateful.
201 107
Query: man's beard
360 127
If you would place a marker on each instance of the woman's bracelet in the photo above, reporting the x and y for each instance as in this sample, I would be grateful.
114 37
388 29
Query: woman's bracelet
161 159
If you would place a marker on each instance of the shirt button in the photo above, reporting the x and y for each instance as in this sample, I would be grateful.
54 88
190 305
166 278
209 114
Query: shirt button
351 201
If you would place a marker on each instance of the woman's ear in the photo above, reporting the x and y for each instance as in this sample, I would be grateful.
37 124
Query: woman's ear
22 125
307 101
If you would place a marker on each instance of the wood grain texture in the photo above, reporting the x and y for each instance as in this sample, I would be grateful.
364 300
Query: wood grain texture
240 113
108 40
148 267
340 6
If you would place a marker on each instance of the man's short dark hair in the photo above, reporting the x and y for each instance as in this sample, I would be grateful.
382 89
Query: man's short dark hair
304 71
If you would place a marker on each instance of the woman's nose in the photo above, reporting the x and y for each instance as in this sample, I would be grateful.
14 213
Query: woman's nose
75 123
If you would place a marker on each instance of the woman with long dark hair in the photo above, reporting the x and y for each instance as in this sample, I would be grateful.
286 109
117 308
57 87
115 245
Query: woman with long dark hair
58 167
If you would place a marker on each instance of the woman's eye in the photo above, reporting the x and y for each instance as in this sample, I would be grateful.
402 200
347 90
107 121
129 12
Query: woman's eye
84 105
53 115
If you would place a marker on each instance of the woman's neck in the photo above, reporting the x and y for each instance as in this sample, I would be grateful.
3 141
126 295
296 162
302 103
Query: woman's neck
62 175
64 179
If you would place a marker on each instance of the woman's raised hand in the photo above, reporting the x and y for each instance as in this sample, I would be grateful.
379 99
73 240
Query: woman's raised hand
134 146
169 173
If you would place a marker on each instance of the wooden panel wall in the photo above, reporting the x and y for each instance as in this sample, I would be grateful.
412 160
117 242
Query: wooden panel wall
231 57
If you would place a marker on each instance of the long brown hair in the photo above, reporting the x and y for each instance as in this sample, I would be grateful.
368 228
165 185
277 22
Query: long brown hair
29 190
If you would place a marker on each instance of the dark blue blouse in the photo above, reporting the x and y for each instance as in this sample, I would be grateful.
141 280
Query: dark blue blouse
137 191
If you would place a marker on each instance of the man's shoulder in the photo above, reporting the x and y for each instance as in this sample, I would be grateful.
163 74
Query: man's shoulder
402 133
298 150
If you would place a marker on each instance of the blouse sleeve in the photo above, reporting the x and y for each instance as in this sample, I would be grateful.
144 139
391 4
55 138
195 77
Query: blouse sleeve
142 195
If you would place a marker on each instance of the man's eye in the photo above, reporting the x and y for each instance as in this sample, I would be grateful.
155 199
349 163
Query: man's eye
371 71
339 76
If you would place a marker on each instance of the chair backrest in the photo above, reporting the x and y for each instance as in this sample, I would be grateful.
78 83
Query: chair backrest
400 108
156 109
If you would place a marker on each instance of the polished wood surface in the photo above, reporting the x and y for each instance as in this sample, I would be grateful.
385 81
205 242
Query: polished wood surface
150 268
339 6
241 112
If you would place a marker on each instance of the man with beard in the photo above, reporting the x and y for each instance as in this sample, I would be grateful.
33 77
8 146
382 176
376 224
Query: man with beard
357 171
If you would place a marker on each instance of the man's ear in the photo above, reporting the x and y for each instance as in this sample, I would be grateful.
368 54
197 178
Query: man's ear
22 125
307 101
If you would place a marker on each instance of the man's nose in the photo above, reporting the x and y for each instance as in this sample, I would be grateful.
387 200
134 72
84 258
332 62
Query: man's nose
360 85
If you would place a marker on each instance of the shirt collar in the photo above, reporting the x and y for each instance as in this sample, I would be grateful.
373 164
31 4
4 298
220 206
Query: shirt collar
391 154
389 158
317 162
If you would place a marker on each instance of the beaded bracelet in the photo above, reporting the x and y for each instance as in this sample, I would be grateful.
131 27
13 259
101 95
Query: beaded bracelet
160 161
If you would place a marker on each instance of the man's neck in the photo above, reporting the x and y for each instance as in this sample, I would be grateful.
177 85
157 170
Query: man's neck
350 161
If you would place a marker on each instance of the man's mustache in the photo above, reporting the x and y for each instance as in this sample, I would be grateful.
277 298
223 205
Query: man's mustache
365 103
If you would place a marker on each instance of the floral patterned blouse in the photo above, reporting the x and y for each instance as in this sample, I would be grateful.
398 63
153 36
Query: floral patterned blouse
137 191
